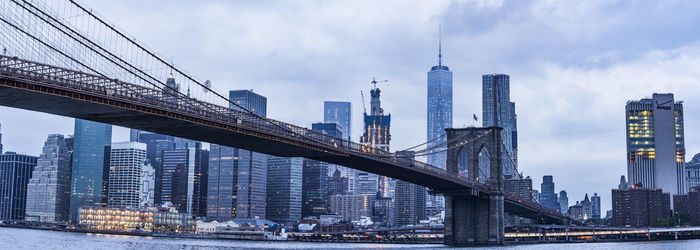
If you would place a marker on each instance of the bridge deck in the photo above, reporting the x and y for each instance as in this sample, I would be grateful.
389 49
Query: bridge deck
49 89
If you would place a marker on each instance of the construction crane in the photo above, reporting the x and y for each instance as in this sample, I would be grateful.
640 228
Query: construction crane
364 109
374 82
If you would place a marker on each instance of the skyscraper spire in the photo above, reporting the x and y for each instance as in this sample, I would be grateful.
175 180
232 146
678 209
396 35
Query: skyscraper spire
440 45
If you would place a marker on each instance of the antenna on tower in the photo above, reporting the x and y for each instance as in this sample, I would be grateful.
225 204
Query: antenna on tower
440 46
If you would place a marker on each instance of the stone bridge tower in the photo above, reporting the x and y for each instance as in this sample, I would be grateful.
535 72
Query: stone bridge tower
475 216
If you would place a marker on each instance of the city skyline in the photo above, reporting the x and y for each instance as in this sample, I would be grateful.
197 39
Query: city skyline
615 69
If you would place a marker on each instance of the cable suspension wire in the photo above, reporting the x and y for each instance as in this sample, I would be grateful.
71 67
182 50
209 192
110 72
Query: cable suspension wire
98 53
187 76
509 157
424 143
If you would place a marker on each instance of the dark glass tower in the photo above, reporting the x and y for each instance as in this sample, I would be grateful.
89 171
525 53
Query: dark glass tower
184 179
238 178
548 198
284 189
15 173
339 113
90 169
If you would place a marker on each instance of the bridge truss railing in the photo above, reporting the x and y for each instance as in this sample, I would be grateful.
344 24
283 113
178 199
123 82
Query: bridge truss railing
68 79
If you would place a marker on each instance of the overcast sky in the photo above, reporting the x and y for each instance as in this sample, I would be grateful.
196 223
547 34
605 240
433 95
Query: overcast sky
572 66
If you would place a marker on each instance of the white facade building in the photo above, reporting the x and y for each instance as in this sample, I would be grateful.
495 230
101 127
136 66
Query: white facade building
125 165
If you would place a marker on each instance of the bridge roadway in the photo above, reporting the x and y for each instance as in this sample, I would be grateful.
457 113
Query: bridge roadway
59 91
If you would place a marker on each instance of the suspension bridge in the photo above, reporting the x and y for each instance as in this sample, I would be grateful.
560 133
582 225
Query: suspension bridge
62 58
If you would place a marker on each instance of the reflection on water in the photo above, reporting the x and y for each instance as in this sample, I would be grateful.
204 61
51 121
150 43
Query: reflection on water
37 239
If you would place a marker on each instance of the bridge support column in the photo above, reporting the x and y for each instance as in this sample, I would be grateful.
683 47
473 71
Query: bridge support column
473 220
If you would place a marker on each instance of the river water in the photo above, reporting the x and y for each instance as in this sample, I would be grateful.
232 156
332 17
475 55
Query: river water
12 238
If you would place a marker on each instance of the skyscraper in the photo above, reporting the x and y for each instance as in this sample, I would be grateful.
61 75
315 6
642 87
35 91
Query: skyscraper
314 188
499 111
519 187
377 135
339 113
563 202
238 178
48 192
90 167
655 143
284 175
337 184
587 208
237 184
126 162
409 205
249 100
15 173
595 205
155 145
183 171
548 198
439 108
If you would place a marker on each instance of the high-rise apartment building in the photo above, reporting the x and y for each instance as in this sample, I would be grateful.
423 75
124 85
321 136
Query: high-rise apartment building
126 162
339 113
655 143
284 189
90 166
548 198
688 204
48 192
639 207
499 111
15 173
